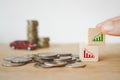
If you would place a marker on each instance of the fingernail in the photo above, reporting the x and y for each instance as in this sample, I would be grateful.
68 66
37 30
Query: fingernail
108 27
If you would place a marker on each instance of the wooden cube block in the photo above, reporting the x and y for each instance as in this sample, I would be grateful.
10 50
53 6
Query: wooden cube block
96 37
89 53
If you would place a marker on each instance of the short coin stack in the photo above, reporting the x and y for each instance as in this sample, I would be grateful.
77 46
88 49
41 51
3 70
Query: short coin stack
45 60
43 42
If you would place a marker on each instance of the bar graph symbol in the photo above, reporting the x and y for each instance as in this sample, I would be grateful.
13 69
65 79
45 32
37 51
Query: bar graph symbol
98 38
88 54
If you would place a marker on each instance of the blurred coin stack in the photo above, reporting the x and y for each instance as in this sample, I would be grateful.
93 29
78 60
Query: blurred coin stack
32 35
32 32
43 42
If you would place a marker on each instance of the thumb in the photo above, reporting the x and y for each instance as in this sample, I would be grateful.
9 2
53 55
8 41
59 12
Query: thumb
110 27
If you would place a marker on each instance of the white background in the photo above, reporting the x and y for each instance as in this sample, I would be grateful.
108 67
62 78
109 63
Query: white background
64 21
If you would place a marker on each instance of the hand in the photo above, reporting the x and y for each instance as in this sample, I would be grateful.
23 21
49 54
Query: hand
111 26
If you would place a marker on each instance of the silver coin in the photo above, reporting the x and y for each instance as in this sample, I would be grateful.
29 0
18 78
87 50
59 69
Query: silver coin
78 60
21 60
56 63
10 58
72 60
75 55
48 55
76 65
28 55
38 65
10 64
65 58
42 60
47 59
65 54
37 59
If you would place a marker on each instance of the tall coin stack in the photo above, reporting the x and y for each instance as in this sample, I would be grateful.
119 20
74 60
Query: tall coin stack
32 32
43 42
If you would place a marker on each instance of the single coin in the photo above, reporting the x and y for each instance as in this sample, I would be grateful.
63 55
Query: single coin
38 65
73 60
21 60
65 54
76 65
37 59
48 55
56 63
10 64
75 55
42 60
29 56
47 59
9 58
78 60
65 58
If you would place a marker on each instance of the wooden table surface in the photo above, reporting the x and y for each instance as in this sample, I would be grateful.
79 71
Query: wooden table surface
108 68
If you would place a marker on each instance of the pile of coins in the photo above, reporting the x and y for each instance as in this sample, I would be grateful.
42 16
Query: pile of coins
45 60
32 34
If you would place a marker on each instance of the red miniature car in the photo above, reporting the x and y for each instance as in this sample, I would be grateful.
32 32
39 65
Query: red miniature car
22 45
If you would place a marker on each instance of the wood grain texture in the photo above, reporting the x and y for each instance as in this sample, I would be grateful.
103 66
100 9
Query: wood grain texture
108 68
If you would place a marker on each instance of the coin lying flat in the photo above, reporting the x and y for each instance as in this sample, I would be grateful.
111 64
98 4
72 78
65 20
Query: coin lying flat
75 55
78 60
37 65
10 64
29 55
65 58
56 63
10 58
72 60
21 60
76 65
37 59
65 54
42 60
48 55
47 60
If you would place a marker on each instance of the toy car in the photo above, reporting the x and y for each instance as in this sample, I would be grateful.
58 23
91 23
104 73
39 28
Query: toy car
22 45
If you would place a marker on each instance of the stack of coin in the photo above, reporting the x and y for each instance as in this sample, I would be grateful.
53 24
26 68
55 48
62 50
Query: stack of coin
32 32
76 56
45 57
12 61
46 60
58 60
43 42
